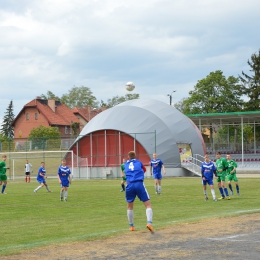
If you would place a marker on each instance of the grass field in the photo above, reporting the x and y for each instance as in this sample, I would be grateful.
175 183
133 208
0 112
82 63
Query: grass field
96 209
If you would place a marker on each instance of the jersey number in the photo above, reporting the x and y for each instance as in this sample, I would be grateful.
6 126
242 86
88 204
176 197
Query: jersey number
131 166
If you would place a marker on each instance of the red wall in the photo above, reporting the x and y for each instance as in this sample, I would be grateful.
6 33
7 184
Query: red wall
111 143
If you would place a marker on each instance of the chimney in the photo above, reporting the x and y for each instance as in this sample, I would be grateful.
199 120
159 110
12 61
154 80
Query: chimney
51 104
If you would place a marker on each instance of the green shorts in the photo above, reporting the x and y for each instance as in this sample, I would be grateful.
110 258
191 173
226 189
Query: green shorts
221 177
232 177
124 178
3 177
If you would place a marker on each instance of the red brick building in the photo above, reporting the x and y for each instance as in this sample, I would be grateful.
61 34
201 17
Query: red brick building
46 113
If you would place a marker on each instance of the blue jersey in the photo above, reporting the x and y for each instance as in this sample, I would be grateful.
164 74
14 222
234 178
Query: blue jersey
157 166
208 169
134 171
64 173
43 172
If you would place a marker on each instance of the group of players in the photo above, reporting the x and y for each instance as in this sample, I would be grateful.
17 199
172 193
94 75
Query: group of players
64 177
225 168
133 172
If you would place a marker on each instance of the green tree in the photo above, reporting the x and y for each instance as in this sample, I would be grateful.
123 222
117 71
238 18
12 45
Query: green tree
181 105
75 126
7 130
41 134
111 102
49 95
251 84
79 97
214 94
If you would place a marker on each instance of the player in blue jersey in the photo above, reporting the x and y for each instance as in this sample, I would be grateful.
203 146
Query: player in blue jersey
134 171
64 176
41 178
156 166
207 170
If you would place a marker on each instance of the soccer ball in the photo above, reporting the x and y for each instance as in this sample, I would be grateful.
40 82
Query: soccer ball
130 86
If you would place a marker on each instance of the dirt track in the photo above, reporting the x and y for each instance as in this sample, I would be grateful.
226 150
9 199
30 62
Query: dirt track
222 238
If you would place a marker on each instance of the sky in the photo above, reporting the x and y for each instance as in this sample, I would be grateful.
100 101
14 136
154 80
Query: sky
160 45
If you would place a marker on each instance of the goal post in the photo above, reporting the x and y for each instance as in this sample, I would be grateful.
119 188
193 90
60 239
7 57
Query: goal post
52 159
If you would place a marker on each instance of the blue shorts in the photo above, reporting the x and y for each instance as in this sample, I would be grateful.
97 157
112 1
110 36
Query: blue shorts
157 176
65 184
209 182
41 181
134 189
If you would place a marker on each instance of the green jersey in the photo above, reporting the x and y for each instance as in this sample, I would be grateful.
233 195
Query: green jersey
2 168
221 164
123 171
231 165
123 167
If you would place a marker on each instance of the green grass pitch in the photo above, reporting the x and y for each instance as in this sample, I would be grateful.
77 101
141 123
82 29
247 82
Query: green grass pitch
97 209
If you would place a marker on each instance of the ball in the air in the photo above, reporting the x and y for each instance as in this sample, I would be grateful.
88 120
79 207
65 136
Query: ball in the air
130 86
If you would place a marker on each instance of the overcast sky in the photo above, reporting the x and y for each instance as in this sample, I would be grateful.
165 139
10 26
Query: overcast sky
160 45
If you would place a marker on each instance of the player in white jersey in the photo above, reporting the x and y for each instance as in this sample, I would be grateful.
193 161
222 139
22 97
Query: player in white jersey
27 170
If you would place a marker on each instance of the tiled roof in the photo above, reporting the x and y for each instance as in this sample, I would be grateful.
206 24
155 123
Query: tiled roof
86 112
62 115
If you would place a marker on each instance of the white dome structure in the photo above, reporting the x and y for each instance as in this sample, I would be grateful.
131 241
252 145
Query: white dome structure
144 125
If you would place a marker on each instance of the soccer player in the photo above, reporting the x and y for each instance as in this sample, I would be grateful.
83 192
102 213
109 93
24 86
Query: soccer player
3 177
135 187
207 170
41 178
123 175
28 169
232 166
222 166
156 166
64 176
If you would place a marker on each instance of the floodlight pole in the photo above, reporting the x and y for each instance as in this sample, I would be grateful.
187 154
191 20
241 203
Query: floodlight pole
170 95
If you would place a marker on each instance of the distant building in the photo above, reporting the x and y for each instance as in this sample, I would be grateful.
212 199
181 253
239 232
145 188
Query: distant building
46 113
85 114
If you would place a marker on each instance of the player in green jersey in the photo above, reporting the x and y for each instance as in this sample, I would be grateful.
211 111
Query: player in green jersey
232 176
123 175
3 177
222 165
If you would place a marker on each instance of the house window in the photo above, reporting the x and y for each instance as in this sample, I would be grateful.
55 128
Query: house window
66 130
27 116
36 116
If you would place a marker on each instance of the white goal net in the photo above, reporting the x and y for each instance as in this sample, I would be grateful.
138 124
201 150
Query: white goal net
52 159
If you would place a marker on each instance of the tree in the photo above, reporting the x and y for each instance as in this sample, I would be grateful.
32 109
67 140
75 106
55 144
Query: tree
75 126
79 97
7 130
251 84
214 94
41 134
83 96
117 100
49 95
180 105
